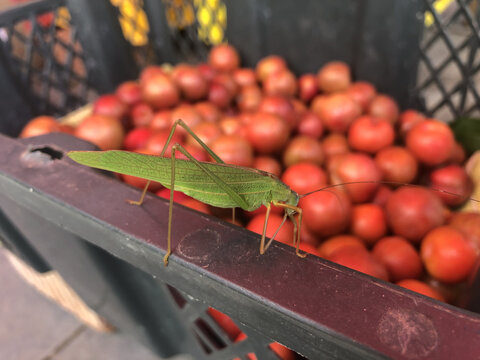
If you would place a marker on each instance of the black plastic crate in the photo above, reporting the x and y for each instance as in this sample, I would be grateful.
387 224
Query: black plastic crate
57 215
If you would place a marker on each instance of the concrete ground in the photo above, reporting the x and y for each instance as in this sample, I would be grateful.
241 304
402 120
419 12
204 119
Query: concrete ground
35 328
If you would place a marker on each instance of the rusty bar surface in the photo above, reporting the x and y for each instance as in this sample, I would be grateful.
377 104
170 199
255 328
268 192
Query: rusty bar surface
315 307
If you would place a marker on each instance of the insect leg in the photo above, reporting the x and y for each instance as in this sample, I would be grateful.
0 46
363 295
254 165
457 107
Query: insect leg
142 197
264 232
264 247
197 139
297 225
170 207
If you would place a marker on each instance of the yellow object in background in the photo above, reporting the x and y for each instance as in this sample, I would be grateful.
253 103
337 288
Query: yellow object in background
212 20
63 18
440 6
133 21
211 16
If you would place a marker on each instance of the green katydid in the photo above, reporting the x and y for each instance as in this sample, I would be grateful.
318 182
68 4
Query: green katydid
217 184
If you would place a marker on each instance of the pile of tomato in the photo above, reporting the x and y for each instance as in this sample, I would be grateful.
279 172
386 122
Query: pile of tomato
312 131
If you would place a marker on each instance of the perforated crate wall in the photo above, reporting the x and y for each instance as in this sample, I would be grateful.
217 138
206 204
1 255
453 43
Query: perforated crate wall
449 79
43 53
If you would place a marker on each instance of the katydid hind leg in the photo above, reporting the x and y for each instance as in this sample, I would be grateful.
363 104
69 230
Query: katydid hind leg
170 208
297 225
197 139
264 232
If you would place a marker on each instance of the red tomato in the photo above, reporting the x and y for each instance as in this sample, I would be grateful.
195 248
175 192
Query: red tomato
413 211
157 141
110 105
334 77
160 91
303 149
355 167
268 133
334 144
370 134
104 131
161 120
469 224
219 95
233 149
408 119
307 87
39 126
454 180
141 114
232 125
207 71
384 106
207 132
208 111
280 106
363 93
448 255
431 142
338 242
244 76
227 80
337 112
188 114
129 92
458 154
283 83
304 177
269 65
397 164
368 222
150 71
421 288
137 139
382 195
224 57
249 98
326 213
268 164
191 83
310 125
399 257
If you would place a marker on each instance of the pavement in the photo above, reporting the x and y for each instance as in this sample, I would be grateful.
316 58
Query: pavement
34 328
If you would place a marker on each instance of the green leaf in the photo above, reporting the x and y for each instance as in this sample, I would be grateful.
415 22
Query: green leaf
467 133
